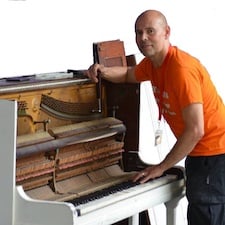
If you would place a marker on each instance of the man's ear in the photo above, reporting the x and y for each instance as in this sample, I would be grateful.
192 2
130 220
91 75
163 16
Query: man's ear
167 35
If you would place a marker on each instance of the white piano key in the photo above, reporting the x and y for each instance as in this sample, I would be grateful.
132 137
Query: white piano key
124 194
129 207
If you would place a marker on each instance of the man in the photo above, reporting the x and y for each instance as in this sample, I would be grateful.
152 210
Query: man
190 104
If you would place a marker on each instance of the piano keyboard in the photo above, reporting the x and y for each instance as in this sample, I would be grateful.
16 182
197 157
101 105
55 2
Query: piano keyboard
93 201
103 193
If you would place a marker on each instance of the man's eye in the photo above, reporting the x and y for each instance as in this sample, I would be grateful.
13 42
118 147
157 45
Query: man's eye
150 31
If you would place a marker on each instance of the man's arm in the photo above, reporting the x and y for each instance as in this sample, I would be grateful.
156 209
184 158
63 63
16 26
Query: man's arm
116 74
194 130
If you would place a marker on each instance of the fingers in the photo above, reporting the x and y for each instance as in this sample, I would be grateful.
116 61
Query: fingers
147 174
140 177
92 72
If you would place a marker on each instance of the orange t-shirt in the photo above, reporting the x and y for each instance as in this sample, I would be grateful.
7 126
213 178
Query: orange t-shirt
179 82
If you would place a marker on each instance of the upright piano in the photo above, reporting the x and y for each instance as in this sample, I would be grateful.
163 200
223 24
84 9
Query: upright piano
68 154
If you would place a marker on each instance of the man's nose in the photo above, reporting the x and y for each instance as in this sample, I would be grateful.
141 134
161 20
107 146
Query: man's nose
144 36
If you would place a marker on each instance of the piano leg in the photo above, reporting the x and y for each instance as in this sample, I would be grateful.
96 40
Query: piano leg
134 220
171 211
142 220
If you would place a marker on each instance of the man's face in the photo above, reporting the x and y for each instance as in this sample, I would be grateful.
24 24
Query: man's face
150 35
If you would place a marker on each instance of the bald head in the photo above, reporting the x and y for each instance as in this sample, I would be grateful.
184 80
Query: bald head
153 15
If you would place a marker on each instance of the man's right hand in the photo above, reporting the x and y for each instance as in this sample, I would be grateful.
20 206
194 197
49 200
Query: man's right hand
93 72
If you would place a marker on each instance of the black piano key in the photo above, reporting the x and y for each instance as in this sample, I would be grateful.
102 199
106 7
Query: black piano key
107 191
102 193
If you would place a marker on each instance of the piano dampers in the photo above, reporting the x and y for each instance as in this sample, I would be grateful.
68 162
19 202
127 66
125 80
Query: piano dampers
76 111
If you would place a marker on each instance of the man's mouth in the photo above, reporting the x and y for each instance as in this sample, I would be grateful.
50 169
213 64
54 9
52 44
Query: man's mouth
147 46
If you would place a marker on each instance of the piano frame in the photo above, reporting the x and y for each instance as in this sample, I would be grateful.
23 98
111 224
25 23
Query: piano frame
19 209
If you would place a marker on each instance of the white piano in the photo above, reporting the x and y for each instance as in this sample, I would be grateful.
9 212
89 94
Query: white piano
17 208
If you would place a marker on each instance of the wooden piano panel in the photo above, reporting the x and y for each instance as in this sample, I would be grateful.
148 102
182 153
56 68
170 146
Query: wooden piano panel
30 115
123 100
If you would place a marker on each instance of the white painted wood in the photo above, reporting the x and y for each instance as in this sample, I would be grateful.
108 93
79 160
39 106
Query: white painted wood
7 160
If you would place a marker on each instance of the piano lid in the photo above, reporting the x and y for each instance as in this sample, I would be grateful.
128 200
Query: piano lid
40 81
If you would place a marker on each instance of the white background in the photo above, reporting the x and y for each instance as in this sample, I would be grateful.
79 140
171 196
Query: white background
39 36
